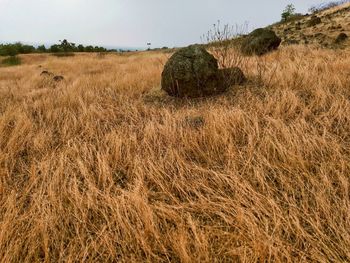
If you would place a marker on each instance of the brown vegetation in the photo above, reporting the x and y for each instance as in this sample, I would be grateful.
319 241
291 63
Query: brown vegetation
103 167
321 28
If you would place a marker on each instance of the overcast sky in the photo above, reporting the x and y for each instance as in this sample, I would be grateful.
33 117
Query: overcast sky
131 23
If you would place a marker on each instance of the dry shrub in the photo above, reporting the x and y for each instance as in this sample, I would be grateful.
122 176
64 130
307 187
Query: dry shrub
90 172
224 42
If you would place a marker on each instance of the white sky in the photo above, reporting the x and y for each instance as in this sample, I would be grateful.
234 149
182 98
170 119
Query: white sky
131 23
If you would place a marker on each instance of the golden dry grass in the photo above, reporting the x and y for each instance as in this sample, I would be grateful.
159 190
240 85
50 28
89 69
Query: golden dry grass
103 167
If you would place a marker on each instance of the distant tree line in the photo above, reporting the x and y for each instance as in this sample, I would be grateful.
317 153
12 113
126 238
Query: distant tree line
63 47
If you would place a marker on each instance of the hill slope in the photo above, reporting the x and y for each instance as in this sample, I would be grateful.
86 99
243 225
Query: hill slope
324 32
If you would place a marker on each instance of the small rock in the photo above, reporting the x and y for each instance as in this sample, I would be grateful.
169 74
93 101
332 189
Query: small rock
315 20
341 38
46 73
58 78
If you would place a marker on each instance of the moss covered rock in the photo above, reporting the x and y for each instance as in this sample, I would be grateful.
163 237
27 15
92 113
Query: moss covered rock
192 72
260 41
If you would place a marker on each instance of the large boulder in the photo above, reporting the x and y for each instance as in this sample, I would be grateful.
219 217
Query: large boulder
192 72
260 41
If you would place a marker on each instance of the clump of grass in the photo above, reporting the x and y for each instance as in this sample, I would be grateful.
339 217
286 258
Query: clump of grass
11 61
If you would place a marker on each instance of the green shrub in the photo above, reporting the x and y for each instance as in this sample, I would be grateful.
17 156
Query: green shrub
288 12
11 61
81 48
42 49
14 49
55 48
8 50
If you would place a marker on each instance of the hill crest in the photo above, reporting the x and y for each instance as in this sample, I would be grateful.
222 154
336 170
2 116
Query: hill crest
320 28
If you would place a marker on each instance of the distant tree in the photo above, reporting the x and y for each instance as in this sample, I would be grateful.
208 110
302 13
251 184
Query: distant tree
81 48
10 50
100 49
55 48
16 48
67 46
89 49
288 12
41 49
26 49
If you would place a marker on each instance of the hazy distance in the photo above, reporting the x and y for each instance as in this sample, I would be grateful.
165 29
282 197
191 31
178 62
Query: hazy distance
132 23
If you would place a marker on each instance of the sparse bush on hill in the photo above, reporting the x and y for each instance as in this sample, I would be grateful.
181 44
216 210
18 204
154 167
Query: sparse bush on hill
326 5
319 29
288 12
294 17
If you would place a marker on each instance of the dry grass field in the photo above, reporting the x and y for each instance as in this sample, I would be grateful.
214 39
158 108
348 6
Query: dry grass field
104 167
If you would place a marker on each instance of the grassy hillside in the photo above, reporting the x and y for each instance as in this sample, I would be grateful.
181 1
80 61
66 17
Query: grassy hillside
333 21
104 167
